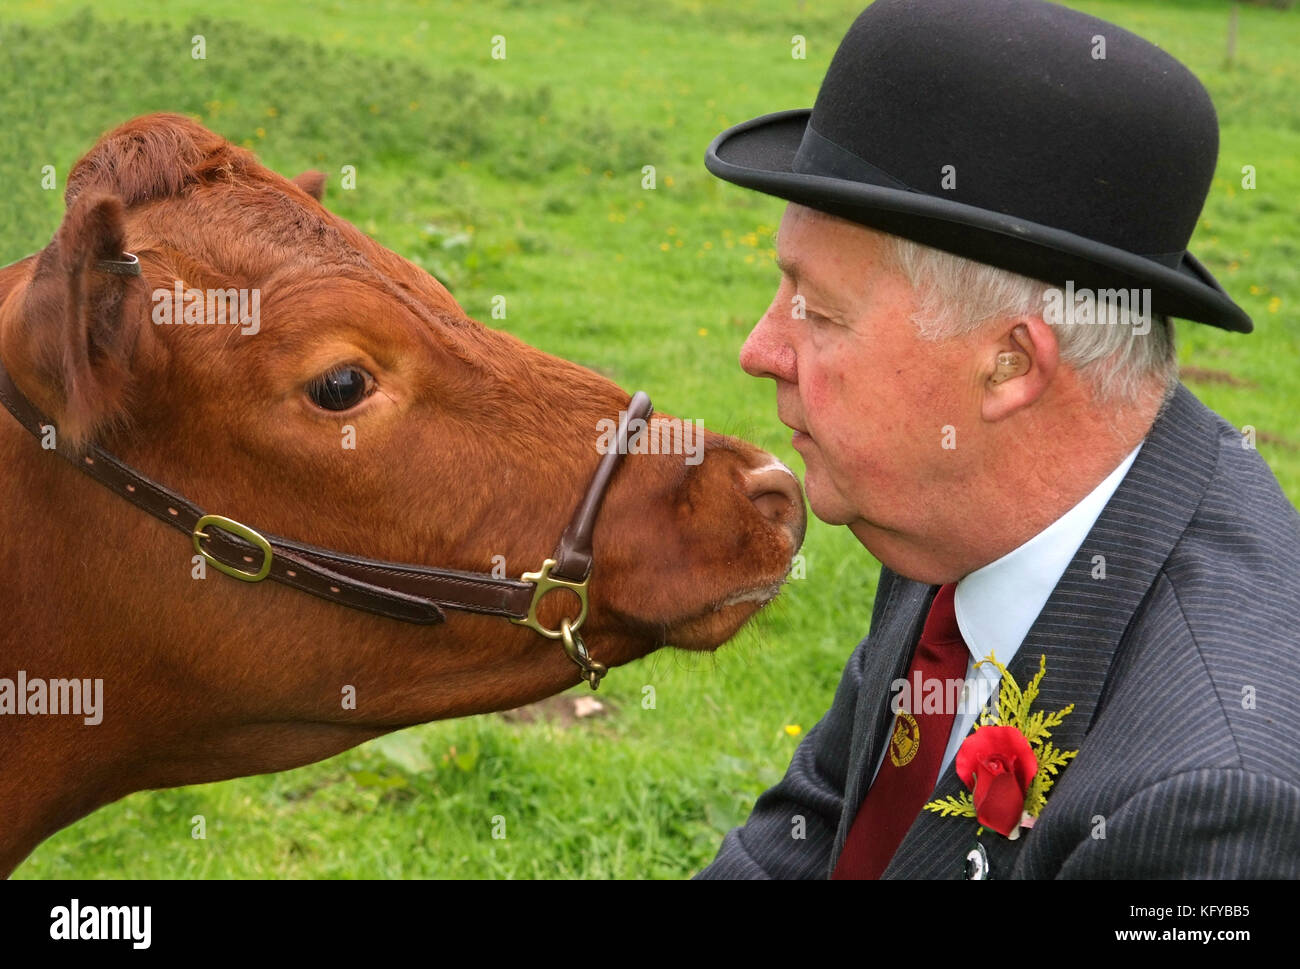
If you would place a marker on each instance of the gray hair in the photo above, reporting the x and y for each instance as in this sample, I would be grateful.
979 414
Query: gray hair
956 296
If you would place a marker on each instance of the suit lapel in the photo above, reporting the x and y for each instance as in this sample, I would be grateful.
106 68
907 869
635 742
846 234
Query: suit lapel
888 653
1083 622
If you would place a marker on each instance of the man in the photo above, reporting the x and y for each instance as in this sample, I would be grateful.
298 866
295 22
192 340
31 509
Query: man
975 186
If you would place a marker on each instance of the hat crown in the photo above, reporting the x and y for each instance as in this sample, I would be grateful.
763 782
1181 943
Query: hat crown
1024 108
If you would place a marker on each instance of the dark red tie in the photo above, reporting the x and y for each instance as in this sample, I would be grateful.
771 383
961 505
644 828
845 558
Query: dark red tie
917 741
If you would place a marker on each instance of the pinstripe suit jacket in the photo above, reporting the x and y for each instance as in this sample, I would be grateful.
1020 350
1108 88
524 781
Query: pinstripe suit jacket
1183 665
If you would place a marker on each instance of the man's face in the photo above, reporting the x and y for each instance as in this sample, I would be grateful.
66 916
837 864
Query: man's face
868 399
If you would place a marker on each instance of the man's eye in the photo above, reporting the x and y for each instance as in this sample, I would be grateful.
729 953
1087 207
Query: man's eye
340 389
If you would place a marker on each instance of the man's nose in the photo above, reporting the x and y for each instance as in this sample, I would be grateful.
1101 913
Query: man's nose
767 352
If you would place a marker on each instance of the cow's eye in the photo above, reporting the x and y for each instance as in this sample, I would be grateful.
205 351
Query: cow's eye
340 389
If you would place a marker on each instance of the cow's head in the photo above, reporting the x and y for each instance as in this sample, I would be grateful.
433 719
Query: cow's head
353 405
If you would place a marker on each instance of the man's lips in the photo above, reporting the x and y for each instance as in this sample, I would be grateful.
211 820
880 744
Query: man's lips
799 436
793 427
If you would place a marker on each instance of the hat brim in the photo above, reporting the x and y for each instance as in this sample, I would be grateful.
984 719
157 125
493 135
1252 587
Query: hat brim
759 154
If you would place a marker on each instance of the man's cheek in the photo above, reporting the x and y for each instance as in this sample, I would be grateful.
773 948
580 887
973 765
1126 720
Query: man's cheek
840 371
838 456
824 406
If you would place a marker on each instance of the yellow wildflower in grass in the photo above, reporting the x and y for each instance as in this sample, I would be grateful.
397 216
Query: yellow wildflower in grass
1254 290
271 112
261 132
793 729
668 180
680 243
702 331
1275 304
672 230
707 244
664 246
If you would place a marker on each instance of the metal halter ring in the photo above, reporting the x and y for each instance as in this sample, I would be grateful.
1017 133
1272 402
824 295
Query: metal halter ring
543 583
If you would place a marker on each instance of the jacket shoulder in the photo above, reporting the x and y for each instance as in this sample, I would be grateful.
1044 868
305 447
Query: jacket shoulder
1226 608
1190 757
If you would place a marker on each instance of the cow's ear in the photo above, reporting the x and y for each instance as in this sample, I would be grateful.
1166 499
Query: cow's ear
84 321
312 182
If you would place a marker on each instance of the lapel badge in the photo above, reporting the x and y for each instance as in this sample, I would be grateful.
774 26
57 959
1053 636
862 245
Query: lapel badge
905 740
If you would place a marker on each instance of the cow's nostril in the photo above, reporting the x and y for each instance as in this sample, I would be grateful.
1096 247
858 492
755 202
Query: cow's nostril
772 504
775 492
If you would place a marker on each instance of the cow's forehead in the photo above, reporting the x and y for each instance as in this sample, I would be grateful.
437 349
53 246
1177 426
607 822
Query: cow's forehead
194 186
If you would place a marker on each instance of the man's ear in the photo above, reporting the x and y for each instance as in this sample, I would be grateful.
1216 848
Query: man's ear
1019 368
312 182
80 327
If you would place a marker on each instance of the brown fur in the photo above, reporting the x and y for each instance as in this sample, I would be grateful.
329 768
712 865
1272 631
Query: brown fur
475 445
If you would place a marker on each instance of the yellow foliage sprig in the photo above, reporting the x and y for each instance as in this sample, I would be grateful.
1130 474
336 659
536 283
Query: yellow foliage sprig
1013 710
1014 707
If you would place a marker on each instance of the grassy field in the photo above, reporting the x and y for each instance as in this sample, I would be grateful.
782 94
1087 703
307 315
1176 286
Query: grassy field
523 177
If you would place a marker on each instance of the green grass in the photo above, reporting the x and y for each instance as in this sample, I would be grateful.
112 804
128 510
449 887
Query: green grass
522 177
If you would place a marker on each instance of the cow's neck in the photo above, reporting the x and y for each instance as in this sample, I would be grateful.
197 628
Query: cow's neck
43 791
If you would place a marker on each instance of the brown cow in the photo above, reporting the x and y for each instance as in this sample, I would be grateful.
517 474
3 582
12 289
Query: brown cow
468 444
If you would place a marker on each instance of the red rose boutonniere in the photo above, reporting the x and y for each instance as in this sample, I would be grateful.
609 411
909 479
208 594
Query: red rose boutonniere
998 765
1008 762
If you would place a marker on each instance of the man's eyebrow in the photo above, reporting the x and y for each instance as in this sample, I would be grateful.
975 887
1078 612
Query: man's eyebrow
797 271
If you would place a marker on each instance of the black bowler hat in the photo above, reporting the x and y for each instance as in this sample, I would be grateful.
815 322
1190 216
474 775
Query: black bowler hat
1017 133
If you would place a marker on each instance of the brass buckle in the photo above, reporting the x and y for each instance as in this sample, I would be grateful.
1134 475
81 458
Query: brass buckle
543 583
243 531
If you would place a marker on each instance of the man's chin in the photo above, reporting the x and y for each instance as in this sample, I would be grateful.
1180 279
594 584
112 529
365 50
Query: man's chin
829 508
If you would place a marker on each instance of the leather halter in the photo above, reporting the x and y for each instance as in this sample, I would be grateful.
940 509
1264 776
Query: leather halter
411 593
